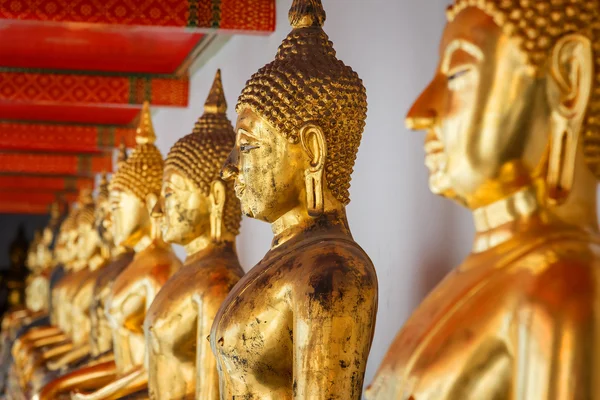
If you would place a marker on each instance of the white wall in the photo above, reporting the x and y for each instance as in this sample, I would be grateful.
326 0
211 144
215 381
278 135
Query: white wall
413 237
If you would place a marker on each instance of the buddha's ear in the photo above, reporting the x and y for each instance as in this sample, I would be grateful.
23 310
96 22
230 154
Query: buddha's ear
314 144
569 88
217 198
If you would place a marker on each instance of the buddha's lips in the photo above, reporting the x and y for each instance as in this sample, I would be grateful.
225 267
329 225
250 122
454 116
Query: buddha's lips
435 158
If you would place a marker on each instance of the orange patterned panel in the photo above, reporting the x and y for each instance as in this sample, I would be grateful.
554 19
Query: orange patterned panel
65 138
57 164
44 183
237 15
91 89
122 12
252 15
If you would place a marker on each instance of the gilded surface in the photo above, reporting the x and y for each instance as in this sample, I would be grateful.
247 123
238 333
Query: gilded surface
300 323
512 133
202 214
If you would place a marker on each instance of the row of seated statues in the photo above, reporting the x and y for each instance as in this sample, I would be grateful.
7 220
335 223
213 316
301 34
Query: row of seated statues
513 133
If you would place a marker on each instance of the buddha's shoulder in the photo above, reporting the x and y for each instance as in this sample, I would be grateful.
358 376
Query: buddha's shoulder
561 275
340 262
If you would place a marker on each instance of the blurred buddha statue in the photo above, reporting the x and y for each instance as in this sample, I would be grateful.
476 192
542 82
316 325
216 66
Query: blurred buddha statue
35 339
72 332
92 251
38 288
203 215
15 277
300 323
12 287
83 370
136 214
513 133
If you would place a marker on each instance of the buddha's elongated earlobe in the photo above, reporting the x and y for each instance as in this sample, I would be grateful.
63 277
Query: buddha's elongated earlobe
313 142
569 90
217 204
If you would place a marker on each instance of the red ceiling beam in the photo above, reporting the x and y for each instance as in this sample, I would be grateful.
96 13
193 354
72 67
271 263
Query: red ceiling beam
31 202
44 183
235 15
36 197
63 138
23 208
55 164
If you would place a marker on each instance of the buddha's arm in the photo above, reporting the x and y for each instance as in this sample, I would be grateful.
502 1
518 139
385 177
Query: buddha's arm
131 302
72 356
82 379
207 375
170 343
126 385
334 318
556 353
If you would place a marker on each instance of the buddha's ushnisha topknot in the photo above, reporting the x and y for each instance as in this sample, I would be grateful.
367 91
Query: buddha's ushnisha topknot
102 196
201 154
538 25
86 208
306 13
70 221
122 154
141 174
307 83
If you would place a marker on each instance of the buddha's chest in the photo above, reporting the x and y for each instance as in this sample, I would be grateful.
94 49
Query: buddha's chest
457 345
252 334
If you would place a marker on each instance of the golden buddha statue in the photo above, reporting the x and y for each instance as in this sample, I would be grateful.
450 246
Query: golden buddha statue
38 294
93 250
41 356
136 214
300 323
29 349
34 267
513 126
99 369
203 215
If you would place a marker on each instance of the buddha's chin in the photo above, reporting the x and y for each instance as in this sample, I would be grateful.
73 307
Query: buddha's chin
440 184
247 211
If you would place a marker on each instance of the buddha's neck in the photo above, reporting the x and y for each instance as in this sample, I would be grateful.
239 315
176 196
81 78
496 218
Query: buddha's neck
200 249
142 244
498 222
297 221
96 261
198 245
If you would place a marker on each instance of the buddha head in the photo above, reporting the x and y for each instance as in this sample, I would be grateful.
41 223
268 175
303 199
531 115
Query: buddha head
300 122
514 100
32 251
87 236
197 202
65 249
134 188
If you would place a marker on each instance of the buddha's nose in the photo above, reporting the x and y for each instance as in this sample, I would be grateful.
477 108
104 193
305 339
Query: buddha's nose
423 114
230 170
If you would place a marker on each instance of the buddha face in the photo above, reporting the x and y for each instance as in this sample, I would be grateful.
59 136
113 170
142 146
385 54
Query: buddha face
103 223
267 169
129 215
485 113
186 209
87 241
70 249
